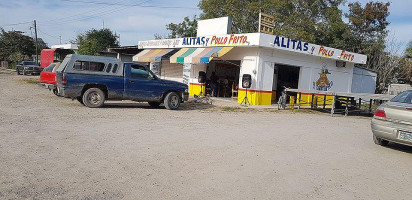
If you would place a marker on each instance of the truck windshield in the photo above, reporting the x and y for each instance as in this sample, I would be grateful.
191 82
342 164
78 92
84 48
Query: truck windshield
29 63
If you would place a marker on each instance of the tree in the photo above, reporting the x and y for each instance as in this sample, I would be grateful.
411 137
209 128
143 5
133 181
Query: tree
14 42
94 41
408 51
405 65
367 35
316 21
187 28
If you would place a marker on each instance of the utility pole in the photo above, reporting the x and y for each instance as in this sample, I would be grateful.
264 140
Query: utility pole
60 39
35 40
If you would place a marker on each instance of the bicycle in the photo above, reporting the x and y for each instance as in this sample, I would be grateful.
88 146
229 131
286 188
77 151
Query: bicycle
282 100
201 98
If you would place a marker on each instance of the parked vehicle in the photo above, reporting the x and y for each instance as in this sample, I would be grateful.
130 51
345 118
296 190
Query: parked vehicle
48 77
94 79
28 67
392 121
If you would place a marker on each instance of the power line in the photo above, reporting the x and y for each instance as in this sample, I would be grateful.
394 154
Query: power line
76 16
132 5
47 34
16 24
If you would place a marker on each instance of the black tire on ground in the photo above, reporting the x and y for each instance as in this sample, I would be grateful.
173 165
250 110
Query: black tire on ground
18 72
172 101
55 92
380 141
154 103
80 99
94 98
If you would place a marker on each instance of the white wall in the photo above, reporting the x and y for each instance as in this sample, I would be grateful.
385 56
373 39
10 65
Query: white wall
310 69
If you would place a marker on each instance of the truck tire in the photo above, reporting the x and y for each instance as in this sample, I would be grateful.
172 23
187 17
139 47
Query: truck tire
18 72
154 103
172 101
94 98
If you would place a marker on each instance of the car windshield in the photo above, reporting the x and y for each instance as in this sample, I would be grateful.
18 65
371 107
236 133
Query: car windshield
404 97
29 63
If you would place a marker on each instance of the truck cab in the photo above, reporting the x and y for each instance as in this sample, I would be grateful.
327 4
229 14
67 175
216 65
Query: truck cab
94 79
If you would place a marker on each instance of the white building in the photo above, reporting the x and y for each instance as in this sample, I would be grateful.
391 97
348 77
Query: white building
272 61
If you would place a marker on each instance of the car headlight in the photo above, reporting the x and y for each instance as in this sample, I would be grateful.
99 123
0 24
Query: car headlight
186 91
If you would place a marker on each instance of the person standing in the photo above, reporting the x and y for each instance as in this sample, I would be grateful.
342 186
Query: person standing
213 84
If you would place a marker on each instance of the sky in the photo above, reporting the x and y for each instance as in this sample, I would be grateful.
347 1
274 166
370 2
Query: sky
136 20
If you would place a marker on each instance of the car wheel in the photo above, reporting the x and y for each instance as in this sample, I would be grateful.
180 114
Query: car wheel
94 98
172 101
18 72
380 141
154 103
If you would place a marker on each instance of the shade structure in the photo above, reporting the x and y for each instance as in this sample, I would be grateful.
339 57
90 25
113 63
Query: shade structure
151 55
198 55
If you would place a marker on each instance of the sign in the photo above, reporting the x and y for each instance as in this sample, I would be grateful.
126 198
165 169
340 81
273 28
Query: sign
256 40
266 23
186 72
323 83
284 43
250 39
154 67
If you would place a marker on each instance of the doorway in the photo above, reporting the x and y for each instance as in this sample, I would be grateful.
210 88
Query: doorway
287 76
223 78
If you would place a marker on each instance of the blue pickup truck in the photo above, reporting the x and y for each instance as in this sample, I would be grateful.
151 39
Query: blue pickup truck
94 79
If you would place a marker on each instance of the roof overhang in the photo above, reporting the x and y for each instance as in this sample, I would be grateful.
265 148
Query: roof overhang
256 40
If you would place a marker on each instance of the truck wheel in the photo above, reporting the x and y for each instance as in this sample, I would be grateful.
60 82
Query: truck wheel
18 72
94 98
55 92
154 103
172 101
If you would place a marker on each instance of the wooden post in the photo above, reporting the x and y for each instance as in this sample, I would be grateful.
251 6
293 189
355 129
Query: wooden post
332 111
370 106
360 105
346 107
324 102
311 103
300 96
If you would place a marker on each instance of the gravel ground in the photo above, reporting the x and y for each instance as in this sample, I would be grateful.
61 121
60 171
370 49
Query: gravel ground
55 148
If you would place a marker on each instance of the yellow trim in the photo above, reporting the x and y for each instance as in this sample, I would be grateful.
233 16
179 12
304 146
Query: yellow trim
306 100
194 89
256 97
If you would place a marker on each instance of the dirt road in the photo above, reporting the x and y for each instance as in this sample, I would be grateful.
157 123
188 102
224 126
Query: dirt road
55 148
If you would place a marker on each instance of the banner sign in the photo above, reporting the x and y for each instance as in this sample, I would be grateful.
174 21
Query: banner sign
283 43
256 40
250 39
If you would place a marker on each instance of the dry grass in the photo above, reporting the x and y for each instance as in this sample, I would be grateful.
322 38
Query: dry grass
29 81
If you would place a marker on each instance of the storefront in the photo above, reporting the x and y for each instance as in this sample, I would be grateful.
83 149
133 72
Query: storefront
274 62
